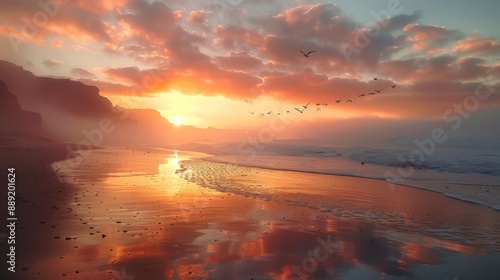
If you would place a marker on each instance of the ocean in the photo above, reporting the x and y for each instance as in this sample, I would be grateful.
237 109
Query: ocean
458 172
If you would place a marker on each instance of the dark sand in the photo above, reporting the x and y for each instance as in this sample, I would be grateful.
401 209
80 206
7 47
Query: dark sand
41 202
130 214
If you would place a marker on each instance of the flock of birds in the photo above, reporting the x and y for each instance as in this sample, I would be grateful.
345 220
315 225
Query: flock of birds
318 105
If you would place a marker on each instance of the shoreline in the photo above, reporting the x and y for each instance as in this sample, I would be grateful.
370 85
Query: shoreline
466 195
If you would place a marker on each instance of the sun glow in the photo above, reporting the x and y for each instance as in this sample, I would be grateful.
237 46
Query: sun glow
177 120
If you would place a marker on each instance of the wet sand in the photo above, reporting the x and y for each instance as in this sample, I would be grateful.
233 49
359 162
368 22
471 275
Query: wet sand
41 201
146 213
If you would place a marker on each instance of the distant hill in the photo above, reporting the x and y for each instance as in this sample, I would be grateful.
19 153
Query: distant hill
76 112
16 122
44 95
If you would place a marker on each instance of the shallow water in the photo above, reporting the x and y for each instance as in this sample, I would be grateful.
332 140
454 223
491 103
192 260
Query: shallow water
377 165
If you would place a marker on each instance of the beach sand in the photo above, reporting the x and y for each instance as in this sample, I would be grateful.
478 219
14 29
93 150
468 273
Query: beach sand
149 213
41 200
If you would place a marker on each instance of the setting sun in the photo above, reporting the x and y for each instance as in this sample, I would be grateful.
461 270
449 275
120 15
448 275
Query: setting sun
177 120
230 139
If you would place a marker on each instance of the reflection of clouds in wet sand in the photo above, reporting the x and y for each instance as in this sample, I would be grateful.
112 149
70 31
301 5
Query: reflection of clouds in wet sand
159 226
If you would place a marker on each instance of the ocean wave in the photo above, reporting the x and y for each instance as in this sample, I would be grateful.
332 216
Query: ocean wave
460 161
442 170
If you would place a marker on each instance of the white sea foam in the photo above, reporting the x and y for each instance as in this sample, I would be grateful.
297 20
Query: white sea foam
445 167
465 197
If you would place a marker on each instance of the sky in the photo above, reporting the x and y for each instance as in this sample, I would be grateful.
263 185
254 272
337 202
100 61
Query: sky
212 63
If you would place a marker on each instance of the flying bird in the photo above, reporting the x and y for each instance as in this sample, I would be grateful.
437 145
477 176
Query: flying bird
307 54
269 113
378 91
305 106
349 101
288 112
325 104
375 78
361 95
372 93
262 114
298 110
318 104
318 109
393 86
252 113
337 101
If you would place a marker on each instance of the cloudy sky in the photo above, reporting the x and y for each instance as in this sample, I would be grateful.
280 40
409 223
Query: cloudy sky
210 63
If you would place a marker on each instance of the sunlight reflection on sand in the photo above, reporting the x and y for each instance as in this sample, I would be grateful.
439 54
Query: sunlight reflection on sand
157 225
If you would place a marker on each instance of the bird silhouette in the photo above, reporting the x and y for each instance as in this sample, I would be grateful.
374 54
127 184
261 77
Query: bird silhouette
252 113
305 106
307 54
325 104
269 113
288 112
298 110
318 104
393 86
375 78
361 95
318 109
378 91
372 93
349 101
262 114
337 101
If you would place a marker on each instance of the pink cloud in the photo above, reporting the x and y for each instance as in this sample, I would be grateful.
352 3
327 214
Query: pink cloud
443 67
151 20
430 38
239 61
321 21
238 37
198 18
478 46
